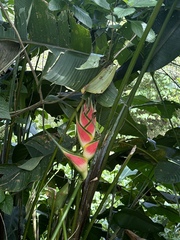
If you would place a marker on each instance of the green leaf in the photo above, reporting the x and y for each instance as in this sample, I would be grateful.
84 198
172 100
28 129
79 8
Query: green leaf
7 205
171 198
64 70
141 3
23 11
101 43
138 28
107 98
61 196
135 220
102 81
168 172
82 16
67 109
166 211
14 179
2 196
132 128
9 52
168 47
92 62
166 109
170 138
31 163
4 109
43 32
102 3
56 5
7 33
80 37
122 12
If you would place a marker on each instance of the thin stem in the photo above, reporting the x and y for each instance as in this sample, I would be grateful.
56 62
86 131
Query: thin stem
66 210
108 192
78 199
63 227
52 214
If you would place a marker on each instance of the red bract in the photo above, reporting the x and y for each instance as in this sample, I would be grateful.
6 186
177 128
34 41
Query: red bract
90 149
83 135
86 124
86 132
79 162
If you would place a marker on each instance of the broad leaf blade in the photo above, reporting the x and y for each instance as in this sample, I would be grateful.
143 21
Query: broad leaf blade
40 26
166 211
4 109
80 37
31 163
141 3
64 72
82 16
135 220
14 179
122 12
102 3
168 172
168 48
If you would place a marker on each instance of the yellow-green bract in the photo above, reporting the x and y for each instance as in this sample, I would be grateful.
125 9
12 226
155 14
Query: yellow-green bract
102 81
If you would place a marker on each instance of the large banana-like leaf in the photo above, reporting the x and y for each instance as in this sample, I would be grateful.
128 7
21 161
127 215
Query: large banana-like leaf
167 49
64 70
168 171
37 24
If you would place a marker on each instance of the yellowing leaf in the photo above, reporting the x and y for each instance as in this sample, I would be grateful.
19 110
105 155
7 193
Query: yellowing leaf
102 81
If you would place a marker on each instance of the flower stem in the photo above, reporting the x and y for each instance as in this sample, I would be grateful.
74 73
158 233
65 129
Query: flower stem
108 192
66 210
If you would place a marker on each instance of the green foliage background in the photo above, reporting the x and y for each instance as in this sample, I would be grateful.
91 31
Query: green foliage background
50 51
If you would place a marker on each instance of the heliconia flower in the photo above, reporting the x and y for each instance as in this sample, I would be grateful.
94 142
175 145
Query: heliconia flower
86 132
90 149
79 162
86 124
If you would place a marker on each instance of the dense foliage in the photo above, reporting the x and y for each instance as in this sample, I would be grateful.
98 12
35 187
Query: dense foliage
82 100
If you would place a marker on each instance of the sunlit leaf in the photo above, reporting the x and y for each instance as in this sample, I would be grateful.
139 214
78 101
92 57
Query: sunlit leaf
82 16
141 3
102 3
139 27
92 62
122 12
102 81
64 71
55 5
30 164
